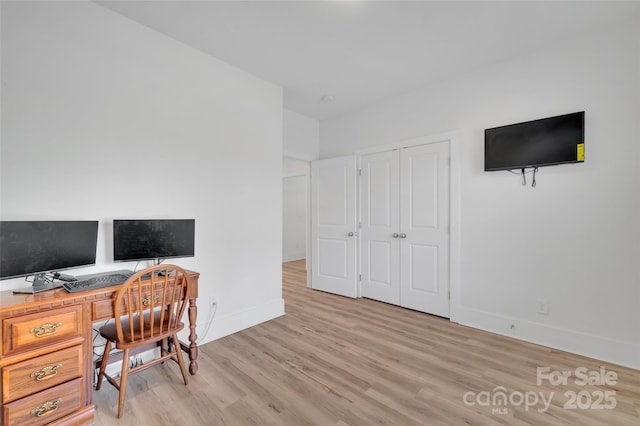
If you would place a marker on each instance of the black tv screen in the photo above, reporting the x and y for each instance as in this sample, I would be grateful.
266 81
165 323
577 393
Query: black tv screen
153 239
35 247
537 143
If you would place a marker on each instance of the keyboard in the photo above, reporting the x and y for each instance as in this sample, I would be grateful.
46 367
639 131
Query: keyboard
102 280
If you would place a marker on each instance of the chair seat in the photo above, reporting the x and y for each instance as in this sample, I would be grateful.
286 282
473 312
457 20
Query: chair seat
159 331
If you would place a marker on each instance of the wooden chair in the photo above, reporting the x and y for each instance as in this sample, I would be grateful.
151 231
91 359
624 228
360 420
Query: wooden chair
148 309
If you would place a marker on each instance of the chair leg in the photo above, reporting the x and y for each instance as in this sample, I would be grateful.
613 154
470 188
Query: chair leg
123 381
164 348
103 364
178 350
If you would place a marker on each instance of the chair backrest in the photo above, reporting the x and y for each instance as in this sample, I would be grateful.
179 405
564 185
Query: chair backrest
152 302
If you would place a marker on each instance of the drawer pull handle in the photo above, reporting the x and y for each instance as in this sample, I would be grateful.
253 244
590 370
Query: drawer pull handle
147 300
46 373
45 329
46 408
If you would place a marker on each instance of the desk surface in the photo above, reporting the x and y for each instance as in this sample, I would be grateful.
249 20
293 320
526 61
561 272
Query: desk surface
10 302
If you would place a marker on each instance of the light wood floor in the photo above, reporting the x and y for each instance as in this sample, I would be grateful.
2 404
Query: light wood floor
338 361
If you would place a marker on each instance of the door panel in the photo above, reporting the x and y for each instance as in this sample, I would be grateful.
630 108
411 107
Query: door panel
379 272
423 269
380 221
422 193
333 256
333 226
333 193
424 218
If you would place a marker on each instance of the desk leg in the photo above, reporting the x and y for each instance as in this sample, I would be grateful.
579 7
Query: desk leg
192 350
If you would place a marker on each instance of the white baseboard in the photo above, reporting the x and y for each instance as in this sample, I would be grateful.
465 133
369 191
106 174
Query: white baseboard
237 321
288 257
623 353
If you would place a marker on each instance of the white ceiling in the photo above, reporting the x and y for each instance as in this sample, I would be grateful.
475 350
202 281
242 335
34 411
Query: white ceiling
363 51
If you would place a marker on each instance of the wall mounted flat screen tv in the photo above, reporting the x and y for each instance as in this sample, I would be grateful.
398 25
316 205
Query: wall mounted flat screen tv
537 143
153 239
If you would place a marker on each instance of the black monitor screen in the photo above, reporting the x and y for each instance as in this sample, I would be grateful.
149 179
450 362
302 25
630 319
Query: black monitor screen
153 239
33 247
544 142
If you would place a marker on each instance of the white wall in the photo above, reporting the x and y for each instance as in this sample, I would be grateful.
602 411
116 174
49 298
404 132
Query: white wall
301 136
294 217
574 240
103 118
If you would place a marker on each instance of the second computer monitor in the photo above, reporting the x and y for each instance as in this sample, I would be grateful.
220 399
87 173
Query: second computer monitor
153 239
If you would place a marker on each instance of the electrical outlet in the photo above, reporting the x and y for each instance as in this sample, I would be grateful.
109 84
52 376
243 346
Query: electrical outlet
543 307
213 301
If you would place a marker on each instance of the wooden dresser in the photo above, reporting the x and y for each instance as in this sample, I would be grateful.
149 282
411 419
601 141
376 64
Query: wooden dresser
46 358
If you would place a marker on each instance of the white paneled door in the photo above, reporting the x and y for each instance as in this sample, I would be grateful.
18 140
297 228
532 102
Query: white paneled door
424 223
405 227
380 219
334 226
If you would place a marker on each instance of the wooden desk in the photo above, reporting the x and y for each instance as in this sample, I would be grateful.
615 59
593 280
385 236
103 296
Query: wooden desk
46 357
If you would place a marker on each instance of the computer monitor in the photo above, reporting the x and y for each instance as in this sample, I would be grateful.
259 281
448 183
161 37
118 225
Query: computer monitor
153 239
42 248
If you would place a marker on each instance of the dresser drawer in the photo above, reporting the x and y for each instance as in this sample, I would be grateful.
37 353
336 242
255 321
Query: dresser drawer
45 406
102 310
79 418
40 329
36 374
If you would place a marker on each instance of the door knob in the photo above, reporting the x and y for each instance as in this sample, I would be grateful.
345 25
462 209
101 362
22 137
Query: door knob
403 235
350 234
395 235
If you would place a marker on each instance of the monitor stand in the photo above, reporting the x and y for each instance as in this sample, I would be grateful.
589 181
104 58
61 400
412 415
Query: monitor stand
40 283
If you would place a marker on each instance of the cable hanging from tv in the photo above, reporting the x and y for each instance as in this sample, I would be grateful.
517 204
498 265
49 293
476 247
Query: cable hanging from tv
524 176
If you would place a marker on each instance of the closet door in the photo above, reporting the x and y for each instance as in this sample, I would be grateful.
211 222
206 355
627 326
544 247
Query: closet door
380 224
333 226
424 228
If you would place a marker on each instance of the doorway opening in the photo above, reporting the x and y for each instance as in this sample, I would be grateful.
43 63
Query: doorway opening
295 209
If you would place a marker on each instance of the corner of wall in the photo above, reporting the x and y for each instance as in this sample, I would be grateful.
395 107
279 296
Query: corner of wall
241 320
